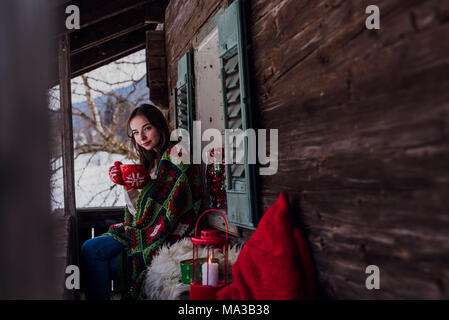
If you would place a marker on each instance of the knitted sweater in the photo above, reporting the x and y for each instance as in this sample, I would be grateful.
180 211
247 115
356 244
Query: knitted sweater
166 210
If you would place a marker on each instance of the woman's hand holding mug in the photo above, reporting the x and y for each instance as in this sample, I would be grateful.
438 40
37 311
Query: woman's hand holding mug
132 176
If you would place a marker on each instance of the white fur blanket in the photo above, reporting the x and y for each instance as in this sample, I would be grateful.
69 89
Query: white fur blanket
162 281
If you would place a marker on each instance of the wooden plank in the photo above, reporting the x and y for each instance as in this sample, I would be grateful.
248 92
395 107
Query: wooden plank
107 52
156 48
214 220
67 134
92 12
112 35
61 231
157 63
67 154
98 218
108 29
194 15
104 217
156 68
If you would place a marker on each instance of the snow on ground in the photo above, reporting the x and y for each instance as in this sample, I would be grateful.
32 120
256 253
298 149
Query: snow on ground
93 188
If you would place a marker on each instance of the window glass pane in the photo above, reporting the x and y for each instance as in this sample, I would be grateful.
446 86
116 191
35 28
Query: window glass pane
101 102
56 181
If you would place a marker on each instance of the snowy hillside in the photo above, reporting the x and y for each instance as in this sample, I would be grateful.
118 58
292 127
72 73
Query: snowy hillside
92 185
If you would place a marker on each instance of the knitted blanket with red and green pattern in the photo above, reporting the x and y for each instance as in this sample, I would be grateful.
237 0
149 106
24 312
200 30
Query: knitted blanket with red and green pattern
169 203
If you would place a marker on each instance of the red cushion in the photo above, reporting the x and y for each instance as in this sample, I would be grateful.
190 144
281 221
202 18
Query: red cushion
275 263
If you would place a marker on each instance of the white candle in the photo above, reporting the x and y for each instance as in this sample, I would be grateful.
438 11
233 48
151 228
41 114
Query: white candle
212 278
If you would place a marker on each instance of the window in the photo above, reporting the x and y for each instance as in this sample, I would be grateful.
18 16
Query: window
222 101
101 102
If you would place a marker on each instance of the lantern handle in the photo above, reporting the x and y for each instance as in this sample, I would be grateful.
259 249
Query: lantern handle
221 214
226 246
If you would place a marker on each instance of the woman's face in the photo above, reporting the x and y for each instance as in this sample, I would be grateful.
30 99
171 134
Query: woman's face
144 133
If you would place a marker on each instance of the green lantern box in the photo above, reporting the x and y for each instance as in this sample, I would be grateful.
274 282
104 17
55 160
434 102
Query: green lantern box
186 269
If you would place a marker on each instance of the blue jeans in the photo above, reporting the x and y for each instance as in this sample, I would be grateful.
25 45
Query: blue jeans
100 264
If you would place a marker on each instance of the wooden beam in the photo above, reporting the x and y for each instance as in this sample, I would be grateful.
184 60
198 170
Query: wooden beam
67 132
105 53
157 68
95 57
107 30
155 12
67 154
92 12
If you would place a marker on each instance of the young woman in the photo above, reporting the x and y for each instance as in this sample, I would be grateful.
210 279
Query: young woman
164 210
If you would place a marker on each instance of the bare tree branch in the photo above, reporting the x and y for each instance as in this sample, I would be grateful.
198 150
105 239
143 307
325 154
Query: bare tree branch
84 169
129 62
111 83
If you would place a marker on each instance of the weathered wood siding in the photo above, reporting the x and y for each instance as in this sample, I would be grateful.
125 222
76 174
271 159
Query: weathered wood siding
363 119
157 68
183 19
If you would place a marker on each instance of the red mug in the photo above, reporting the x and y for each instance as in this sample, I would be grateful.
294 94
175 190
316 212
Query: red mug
134 176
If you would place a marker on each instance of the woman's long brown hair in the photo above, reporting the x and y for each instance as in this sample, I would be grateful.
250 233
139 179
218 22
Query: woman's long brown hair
150 159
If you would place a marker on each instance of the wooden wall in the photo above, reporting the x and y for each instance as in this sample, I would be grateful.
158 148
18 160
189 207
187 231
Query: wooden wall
194 14
363 119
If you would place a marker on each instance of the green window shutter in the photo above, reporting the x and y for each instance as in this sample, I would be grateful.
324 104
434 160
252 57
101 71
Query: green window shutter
183 96
237 114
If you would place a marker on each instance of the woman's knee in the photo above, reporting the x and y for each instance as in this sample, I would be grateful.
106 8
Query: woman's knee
88 249
100 248
91 248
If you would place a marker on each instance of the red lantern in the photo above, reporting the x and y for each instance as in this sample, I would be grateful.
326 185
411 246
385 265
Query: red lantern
210 284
